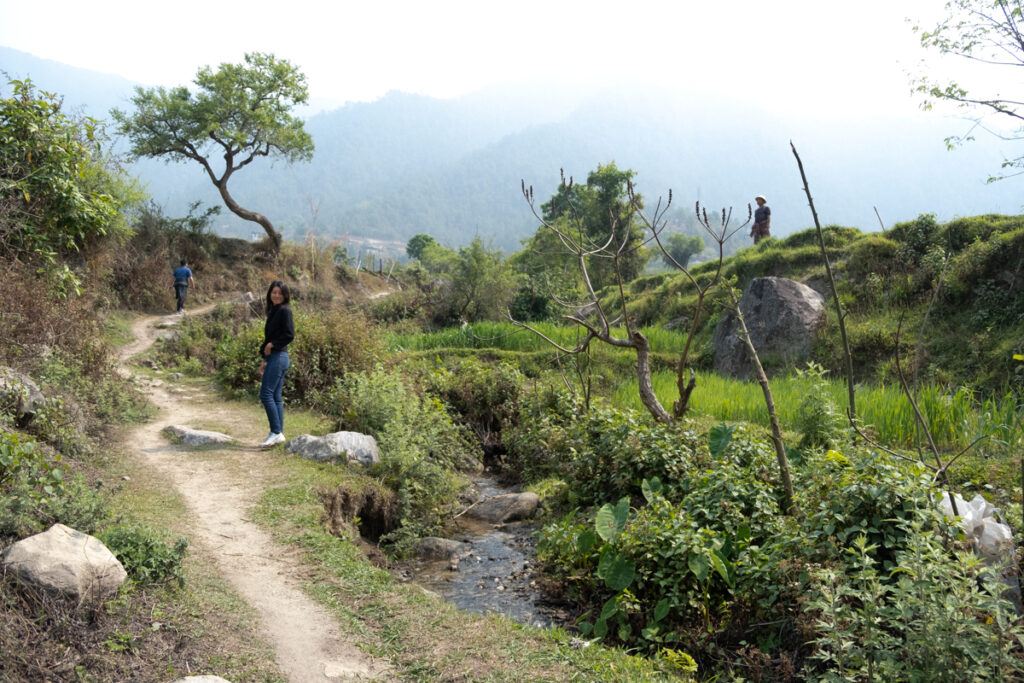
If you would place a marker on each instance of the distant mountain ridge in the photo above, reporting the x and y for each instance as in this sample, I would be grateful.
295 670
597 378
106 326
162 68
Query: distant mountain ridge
409 163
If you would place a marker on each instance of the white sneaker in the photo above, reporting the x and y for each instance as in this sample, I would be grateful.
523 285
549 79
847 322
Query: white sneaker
273 440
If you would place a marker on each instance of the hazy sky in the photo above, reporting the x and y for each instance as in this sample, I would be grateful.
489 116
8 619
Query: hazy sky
850 58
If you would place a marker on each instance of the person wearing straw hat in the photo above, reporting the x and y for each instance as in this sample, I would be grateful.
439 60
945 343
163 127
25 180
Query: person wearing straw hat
762 220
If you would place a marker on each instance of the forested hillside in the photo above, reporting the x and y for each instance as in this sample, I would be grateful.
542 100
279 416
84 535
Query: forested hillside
407 164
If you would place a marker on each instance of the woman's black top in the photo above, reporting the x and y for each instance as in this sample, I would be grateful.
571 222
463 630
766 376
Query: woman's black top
279 329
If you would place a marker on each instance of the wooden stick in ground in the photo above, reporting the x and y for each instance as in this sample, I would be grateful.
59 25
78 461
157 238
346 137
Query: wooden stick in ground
762 379
840 314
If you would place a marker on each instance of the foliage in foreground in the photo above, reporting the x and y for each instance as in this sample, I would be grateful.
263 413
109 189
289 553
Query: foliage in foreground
59 194
422 448
681 545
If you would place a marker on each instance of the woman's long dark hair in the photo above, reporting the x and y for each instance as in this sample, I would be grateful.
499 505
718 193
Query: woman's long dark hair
284 293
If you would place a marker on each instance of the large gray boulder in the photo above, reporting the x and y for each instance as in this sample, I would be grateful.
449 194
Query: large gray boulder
20 395
507 507
436 548
783 318
196 438
67 562
350 446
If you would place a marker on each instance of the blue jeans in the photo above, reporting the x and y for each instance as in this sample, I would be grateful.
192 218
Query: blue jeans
180 292
270 389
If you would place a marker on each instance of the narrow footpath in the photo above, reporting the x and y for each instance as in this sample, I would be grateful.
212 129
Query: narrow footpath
220 488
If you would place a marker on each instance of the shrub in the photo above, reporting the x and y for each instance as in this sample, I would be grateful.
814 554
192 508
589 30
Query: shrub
145 556
421 447
667 571
833 236
871 254
60 194
817 418
539 445
931 617
403 305
36 491
485 395
380 401
604 453
847 496
327 346
916 238
717 569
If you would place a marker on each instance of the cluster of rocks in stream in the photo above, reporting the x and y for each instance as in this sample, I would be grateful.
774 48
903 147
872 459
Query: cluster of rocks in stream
488 566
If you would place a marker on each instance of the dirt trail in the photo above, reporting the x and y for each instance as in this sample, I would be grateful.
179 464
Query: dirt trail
308 644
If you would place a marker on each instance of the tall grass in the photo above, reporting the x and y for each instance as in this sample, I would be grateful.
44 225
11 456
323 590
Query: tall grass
955 418
508 337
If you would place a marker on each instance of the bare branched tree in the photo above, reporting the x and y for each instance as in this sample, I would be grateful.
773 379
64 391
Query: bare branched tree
769 401
851 392
590 314
719 234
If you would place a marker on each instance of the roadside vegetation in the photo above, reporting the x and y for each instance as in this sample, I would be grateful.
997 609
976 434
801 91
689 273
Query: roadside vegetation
673 540
669 539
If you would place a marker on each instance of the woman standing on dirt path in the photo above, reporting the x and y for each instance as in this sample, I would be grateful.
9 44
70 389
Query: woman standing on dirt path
278 332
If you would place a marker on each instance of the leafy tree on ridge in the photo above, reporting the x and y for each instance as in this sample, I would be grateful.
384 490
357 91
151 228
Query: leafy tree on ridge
240 112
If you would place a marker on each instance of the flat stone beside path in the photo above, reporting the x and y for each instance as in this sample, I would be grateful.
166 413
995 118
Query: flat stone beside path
189 436
507 507
351 446
202 679
67 562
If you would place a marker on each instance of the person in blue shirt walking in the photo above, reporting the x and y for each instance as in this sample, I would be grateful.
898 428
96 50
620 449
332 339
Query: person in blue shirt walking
182 281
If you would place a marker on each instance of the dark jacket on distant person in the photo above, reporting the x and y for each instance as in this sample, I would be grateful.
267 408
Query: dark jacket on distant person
279 329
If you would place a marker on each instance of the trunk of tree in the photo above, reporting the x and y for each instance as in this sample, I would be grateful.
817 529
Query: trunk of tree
780 447
241 212
643 374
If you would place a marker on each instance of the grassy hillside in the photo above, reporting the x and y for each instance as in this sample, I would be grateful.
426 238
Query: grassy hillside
958 284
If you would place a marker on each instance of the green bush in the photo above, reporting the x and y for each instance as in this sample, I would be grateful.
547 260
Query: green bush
422 448
846 496
871 254
932 616
237 359
834 236
818 420
485 395
604 453
960 233
916 238
327 346
668 570
145 556
36 491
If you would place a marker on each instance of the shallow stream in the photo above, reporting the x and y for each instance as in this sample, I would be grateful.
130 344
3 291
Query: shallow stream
496 574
